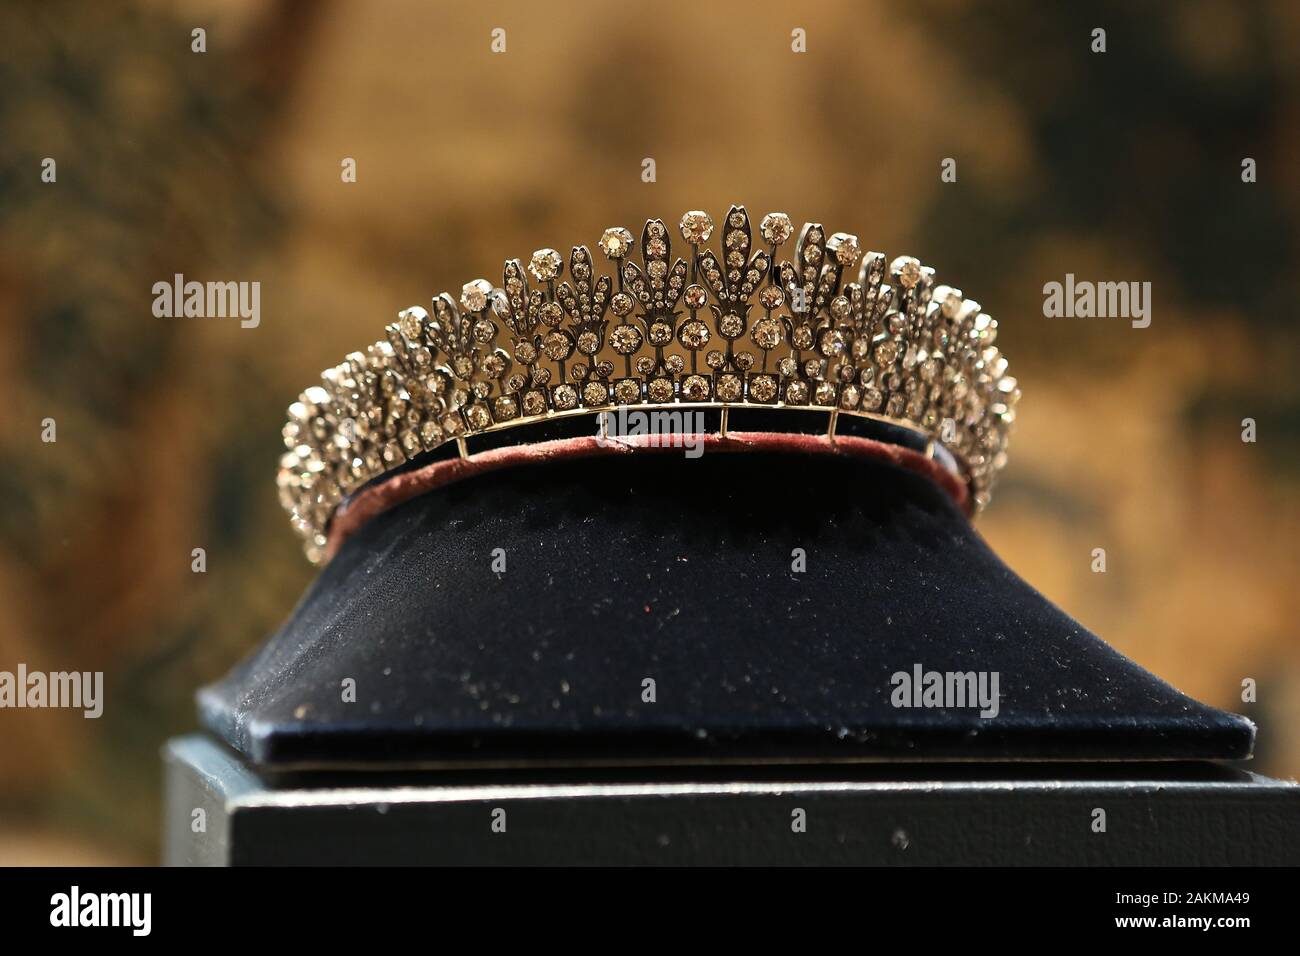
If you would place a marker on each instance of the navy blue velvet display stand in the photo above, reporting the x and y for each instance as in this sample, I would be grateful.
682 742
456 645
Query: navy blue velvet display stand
694 661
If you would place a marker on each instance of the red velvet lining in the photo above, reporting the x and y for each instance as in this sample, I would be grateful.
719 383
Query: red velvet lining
388 494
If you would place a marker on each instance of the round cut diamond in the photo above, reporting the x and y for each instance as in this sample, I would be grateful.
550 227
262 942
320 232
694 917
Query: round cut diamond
660 391
565 397
525 352
696 387
411 321
730 388
907 269
694 334
551 314
776 227
731 325
661 333
625 339
762 388
616 242
534 403
557 345
844 246
430 433
545 265
474 295
627 391
696 227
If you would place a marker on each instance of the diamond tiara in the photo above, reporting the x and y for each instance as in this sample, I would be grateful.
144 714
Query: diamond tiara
830 330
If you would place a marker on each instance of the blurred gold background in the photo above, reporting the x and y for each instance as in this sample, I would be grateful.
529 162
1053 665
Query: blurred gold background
226 165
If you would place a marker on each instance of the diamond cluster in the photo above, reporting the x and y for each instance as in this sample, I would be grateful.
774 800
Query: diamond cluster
727 322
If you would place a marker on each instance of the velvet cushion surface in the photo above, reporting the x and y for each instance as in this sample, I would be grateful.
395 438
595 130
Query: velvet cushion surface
624 569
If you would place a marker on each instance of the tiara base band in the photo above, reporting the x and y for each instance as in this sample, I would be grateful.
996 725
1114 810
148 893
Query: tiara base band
382 496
